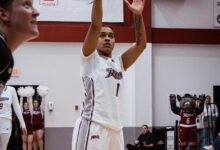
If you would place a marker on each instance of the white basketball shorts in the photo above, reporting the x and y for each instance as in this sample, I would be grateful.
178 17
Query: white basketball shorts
88 135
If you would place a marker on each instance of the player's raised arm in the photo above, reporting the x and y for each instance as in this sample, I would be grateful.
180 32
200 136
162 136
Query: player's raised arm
94 30
131 55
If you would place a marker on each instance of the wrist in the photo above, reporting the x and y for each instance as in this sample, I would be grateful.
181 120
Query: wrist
137 15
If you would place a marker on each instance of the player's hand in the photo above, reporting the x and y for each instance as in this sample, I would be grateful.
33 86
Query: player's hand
136 7
24 131
136 142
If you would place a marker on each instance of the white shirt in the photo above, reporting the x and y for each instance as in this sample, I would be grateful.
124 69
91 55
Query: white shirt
102 77
211 109
8 98
199 121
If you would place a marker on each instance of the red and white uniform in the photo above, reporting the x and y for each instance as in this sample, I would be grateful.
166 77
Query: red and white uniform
102 77
8 98
28 121
188 129
37 119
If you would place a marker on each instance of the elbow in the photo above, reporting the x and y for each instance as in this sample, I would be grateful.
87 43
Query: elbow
142 46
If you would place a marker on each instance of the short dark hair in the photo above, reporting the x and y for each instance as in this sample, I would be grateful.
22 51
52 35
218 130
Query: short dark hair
208 96
5 3
145 126
24 99
25 102
36 100
107 26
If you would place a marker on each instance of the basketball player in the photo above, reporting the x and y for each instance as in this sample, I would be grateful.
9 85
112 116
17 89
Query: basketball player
8 98
38 125
27 139
100 125
18 23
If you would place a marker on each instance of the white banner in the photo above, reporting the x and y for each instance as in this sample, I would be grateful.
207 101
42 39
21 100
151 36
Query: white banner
217 13
77 10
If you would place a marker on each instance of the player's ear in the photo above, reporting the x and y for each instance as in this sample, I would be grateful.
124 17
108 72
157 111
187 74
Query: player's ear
4 15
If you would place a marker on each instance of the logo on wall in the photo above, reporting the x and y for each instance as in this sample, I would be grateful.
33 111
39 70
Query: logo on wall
216 13
218 18
48 2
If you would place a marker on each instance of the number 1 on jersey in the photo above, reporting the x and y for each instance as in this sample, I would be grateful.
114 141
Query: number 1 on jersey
1 105
118 85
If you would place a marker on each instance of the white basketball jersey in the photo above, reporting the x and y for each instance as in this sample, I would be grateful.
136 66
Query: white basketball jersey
102 77
8 98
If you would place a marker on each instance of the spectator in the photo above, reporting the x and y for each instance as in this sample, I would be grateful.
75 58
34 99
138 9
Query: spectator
215 145
200 126
144 141
209 119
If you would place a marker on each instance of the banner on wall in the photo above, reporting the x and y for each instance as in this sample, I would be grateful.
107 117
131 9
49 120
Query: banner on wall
217 13
77 10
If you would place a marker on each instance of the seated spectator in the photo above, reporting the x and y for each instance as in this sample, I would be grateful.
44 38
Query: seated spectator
215 145
144 141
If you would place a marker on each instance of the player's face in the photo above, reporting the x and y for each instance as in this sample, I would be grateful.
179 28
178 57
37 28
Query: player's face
144 130
36 104
23 19
26 106
106 42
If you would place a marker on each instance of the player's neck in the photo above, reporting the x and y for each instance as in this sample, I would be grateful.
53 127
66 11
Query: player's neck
13 39
104 54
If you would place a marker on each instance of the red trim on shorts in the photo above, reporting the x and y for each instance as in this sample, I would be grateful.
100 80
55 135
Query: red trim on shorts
90 121
85 95
78 134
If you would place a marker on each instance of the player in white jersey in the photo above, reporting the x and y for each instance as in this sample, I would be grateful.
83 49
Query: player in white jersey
8 98
100 125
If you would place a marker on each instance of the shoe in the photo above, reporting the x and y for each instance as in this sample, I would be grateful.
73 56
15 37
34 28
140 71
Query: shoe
207 147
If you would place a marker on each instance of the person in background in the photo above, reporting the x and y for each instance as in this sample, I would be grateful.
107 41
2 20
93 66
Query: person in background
200 126
215 145
27 139
209 119
38 124
144 142
8 98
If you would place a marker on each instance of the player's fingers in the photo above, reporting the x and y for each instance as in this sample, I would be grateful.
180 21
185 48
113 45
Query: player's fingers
24 131
127 2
